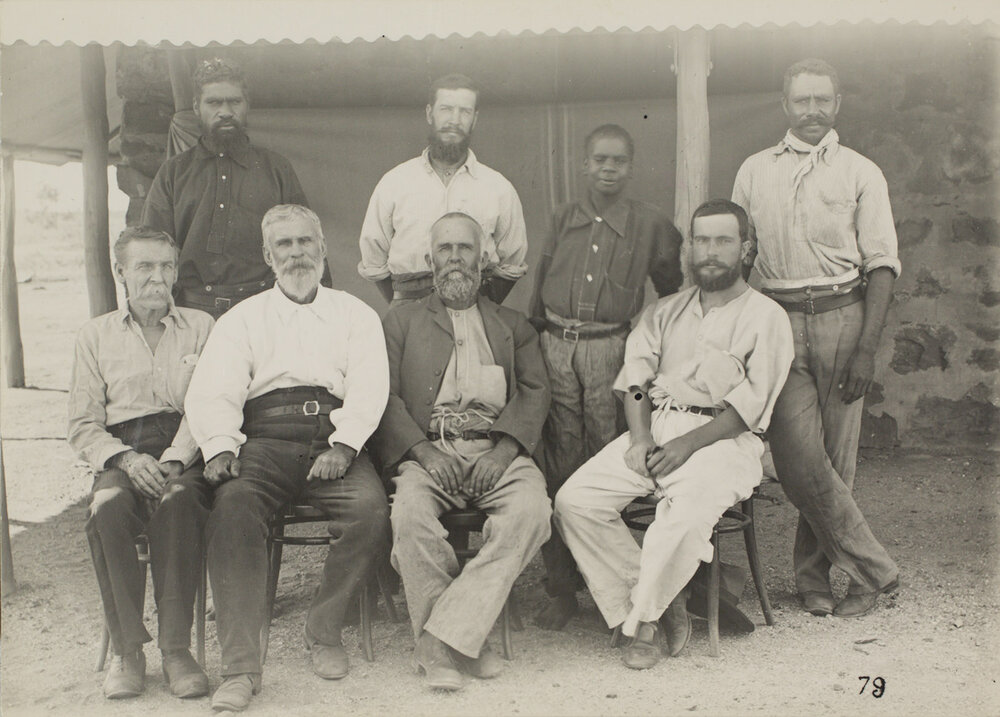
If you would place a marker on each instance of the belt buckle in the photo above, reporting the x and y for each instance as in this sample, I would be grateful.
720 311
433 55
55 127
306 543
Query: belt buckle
570 335
310 408
222 304
810 307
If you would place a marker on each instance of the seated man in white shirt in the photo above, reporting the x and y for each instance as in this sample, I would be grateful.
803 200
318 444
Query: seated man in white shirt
291 384
702 371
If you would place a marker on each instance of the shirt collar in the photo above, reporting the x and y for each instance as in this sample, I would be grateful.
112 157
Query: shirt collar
240 152
826 147
616 216
173 315
286 308
471 163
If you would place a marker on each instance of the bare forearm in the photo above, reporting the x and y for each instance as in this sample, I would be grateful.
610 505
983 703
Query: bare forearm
638 412
878 296
727 424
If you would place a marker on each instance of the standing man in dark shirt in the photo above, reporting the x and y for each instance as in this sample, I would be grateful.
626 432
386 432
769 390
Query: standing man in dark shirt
212 197
591 282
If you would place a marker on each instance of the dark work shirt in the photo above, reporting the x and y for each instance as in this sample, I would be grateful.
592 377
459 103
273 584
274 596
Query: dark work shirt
594 266
212 203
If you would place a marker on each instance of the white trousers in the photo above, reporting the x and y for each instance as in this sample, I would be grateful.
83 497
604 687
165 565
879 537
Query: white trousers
629 584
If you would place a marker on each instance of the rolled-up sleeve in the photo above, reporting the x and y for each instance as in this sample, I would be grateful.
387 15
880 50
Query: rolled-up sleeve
366 382
877 240
767 364
511 236
218 389
376 234
87 431
642 353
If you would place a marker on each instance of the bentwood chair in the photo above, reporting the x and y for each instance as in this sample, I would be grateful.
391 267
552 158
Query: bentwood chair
638 515
277 539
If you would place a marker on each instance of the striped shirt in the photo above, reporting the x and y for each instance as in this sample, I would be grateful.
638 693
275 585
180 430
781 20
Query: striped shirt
820 225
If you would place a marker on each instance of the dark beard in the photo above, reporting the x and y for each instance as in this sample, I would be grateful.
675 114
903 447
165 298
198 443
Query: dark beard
448 152
225 141
717 283
457 289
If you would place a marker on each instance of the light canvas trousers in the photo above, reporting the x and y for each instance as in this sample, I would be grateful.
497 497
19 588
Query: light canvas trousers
632 584
459 606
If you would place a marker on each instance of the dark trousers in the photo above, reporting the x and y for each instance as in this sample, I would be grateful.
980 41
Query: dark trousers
117 515
274 463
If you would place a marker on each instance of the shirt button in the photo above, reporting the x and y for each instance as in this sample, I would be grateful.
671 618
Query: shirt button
595 247
223 178
598 219
438 372
222 206
208 288
460 342
590 277
221 154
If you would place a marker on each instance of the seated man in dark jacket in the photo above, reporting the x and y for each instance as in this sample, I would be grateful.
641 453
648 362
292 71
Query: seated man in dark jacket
468 396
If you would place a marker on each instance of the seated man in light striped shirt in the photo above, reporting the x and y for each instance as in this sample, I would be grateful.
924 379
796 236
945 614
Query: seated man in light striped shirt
702 371
290 386
126 405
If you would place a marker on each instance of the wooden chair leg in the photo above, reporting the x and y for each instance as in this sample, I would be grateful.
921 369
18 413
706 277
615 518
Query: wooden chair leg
390 606
508 646
102 649
515 614
200 610
366 623
753 557
616 637
713 598
274 550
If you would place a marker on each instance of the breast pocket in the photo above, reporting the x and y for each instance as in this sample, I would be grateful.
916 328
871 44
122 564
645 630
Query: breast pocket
833 221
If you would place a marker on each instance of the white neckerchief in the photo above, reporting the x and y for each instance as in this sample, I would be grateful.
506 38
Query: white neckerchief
814 153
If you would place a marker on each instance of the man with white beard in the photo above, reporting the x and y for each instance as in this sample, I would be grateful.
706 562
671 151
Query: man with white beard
468 396
290 386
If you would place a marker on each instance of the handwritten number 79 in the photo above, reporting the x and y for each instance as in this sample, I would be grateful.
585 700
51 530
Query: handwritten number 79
878 686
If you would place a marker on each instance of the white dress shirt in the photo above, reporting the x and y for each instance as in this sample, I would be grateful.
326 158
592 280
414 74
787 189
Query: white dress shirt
268 342
395 236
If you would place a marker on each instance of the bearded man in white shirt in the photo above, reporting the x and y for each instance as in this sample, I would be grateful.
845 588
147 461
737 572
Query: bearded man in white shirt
291 384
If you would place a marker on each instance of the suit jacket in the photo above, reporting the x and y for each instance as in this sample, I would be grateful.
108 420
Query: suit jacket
420 340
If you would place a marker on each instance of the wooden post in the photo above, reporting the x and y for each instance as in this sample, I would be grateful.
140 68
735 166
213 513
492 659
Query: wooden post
181 82
7 582
13 350
691 64
96 251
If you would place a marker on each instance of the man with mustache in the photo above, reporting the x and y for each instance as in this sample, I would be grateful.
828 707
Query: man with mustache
826 251
591 281
211 197
126 406
291 384
467 399
702 371
446 177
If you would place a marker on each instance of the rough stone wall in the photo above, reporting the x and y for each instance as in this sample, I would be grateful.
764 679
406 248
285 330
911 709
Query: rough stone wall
143 82
931 125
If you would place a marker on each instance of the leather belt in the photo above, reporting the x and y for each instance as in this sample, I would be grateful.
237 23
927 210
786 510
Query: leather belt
468 435
573 335
306 408
700 410
822 304
411 293
219 297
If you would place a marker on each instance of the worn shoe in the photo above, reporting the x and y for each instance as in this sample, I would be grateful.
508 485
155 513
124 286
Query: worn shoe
433 658
677 624
328 661
644 650
184 674
818 603
485 667
235 692
126 676
558 612
862 603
